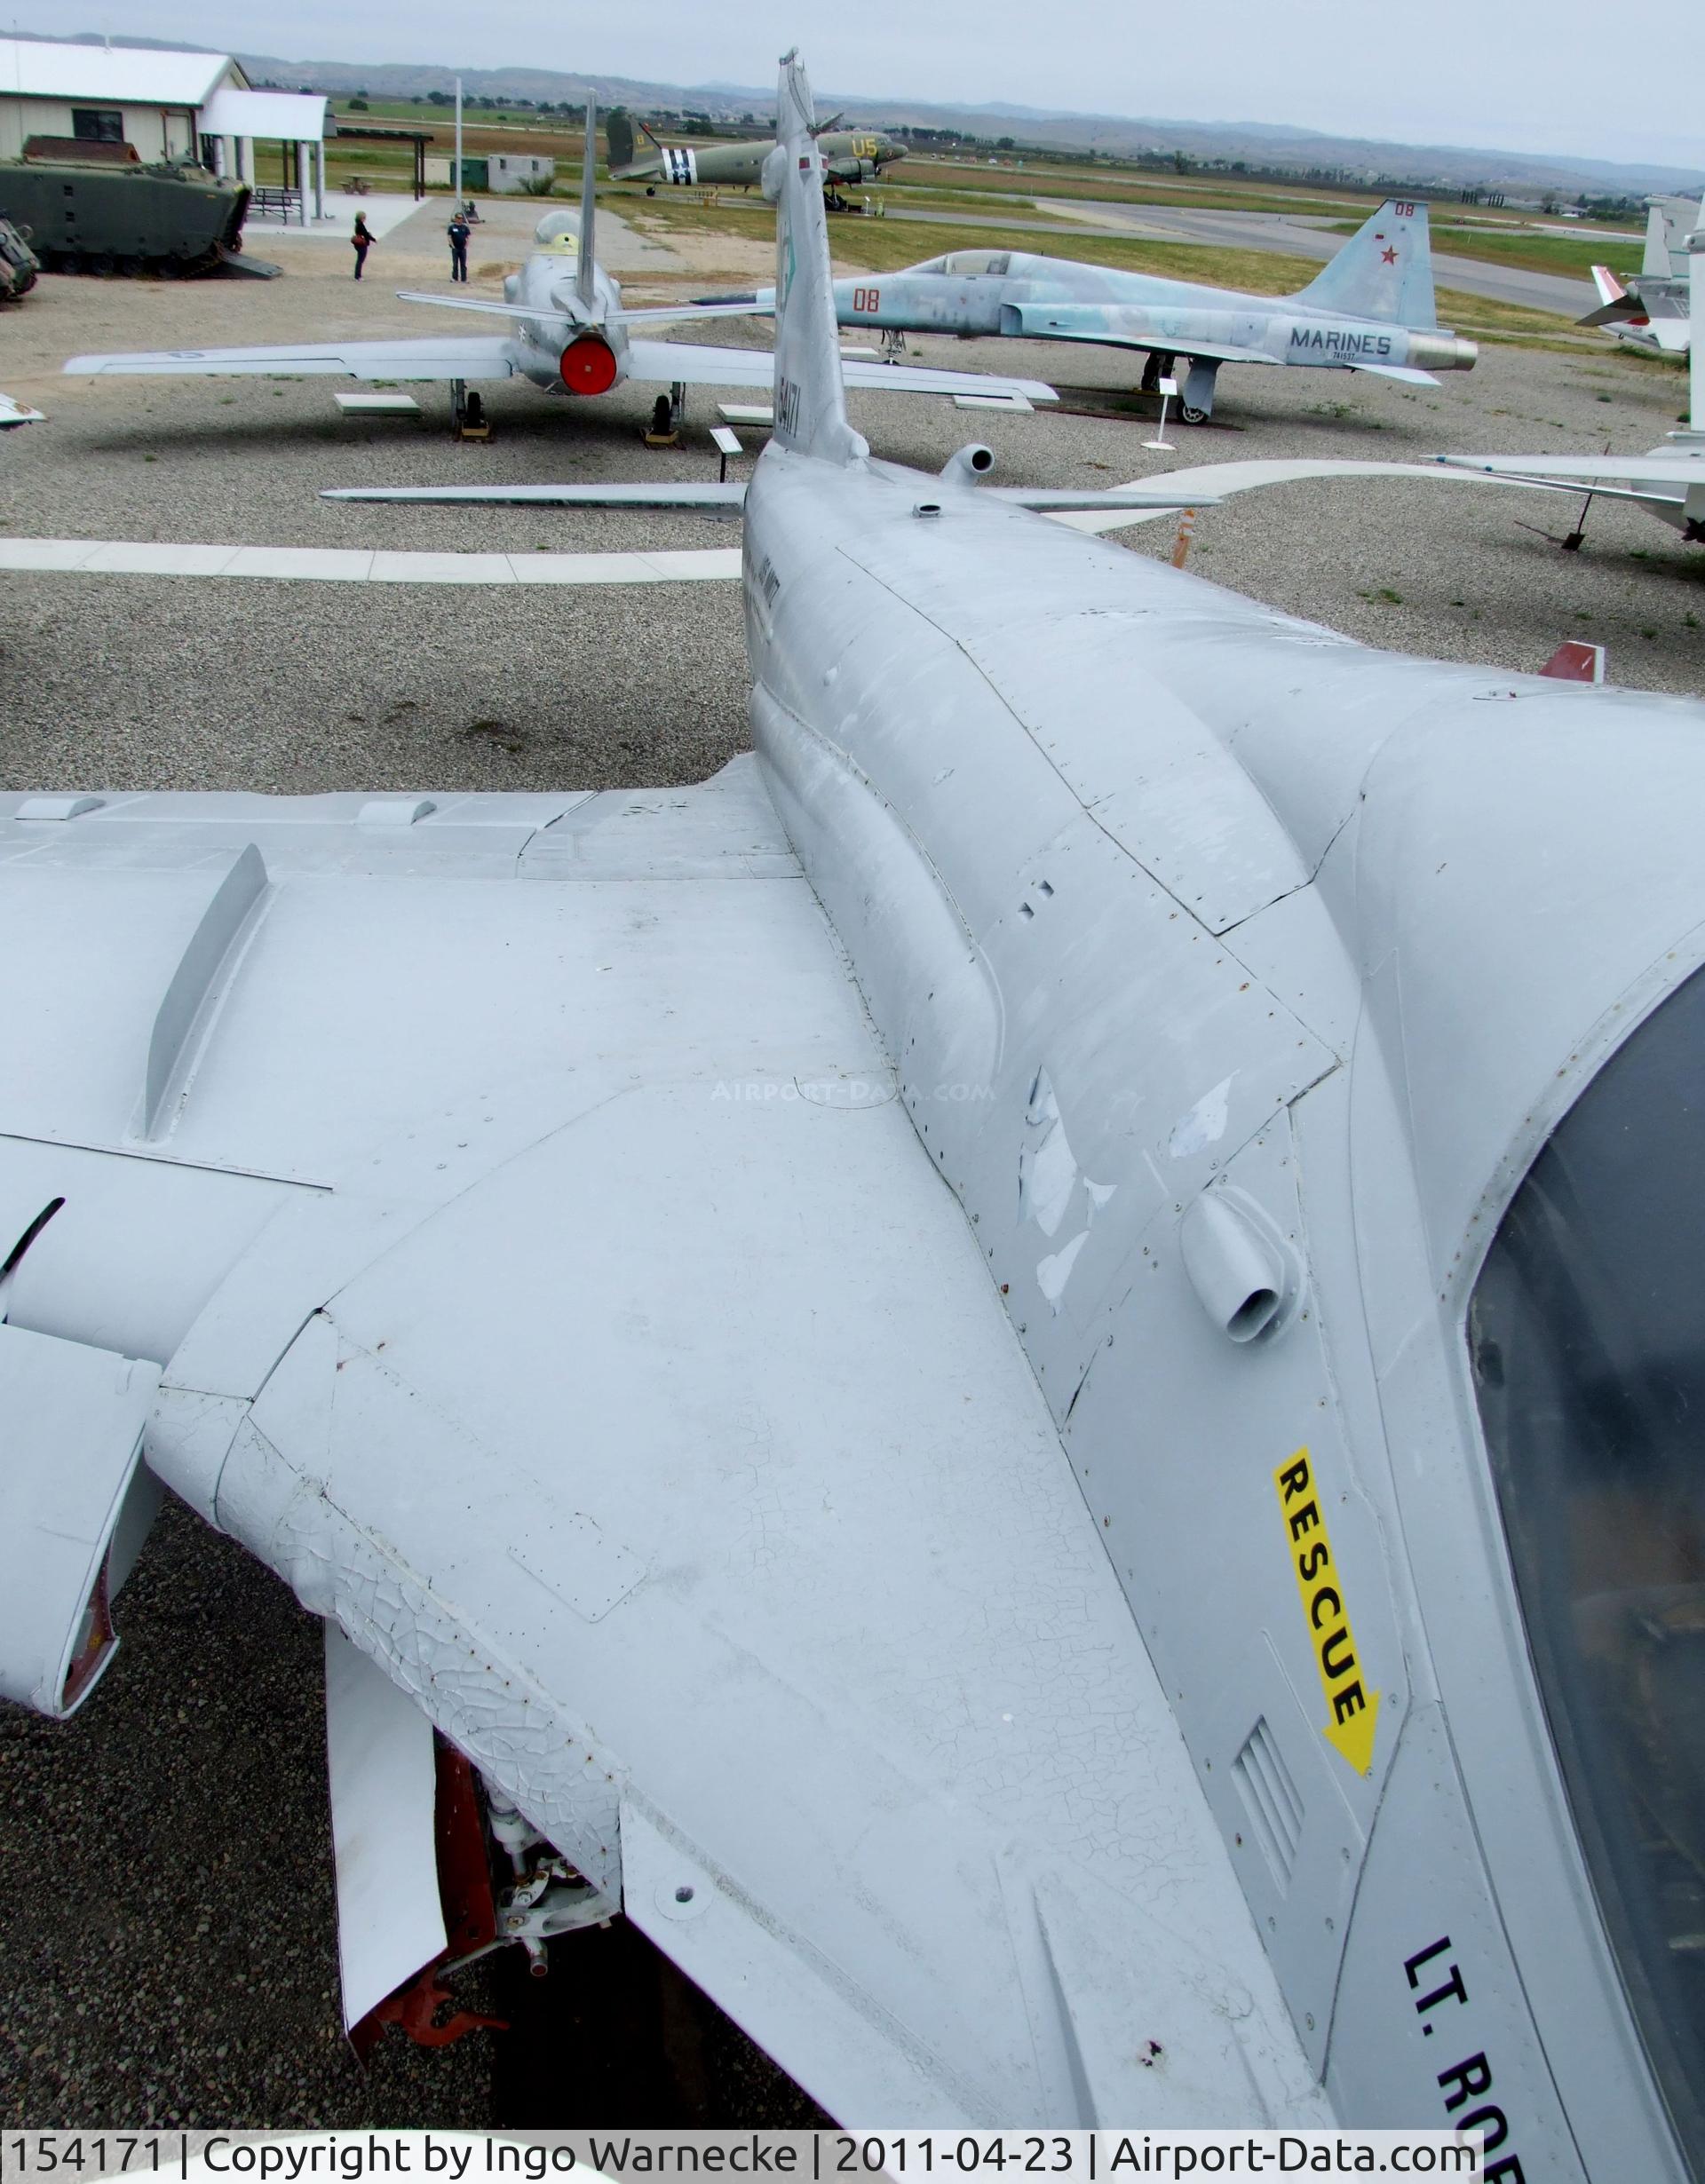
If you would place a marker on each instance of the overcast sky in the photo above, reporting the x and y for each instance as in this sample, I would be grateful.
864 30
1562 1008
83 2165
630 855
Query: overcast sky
1531 75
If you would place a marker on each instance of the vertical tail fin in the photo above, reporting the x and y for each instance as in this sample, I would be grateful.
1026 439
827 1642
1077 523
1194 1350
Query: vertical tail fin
618 132
1656 258
1668 223
1696 331
585 287
810 399
1384 272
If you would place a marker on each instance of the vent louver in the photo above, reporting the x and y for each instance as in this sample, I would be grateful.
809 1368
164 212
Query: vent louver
1270 1798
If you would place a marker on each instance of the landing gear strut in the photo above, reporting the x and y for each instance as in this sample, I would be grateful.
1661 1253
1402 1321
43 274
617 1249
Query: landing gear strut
1197 396
665 431
468 419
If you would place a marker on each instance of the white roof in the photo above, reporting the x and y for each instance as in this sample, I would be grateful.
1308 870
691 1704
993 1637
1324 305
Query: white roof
120 74
295 117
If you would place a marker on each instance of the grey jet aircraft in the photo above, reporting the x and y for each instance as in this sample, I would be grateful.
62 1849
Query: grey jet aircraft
569 333
1667 481
1652 311
1370 309
1026 1373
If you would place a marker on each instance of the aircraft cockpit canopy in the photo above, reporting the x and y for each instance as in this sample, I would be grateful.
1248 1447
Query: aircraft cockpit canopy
1586 1340
560 228
961 264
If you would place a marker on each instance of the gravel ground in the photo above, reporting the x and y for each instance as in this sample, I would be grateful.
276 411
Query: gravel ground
166 1935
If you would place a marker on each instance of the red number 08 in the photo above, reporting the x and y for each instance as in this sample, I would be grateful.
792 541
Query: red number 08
867 299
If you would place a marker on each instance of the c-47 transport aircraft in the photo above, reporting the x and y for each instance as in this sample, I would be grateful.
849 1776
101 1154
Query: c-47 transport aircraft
1027 1375
849 155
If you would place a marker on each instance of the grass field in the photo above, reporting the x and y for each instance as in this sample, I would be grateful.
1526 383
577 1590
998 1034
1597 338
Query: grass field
1553 254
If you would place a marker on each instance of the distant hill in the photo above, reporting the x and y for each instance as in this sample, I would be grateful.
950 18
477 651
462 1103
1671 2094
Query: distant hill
1268 146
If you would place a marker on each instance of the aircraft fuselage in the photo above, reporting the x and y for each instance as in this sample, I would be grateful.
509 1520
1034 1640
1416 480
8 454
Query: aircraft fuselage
1137 960
1055 299
589 358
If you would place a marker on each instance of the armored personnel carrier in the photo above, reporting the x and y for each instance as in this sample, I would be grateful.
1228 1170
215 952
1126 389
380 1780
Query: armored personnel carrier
18 263
98 207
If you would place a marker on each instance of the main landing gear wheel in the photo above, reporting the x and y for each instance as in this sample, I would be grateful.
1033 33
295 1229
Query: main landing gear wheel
1192 416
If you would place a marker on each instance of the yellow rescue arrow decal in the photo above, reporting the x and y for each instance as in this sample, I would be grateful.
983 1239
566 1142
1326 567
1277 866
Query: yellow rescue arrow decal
1353 1710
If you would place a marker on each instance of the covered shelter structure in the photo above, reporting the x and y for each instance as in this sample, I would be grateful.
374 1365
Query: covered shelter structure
167 104
295 121
420 138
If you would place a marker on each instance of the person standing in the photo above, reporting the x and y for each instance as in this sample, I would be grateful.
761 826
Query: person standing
459 231
362 240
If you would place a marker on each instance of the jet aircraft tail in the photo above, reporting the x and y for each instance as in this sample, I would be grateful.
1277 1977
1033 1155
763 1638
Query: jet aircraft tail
1384 271
585 284
1656 258
810 396
1669 221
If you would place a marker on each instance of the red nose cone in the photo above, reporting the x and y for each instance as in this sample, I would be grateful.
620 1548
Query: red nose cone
587 366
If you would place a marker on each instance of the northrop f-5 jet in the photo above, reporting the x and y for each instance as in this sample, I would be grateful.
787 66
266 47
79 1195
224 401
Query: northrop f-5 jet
1370 309
568 332
1027 1373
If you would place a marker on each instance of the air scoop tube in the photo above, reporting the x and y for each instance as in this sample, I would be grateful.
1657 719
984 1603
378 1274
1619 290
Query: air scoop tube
967 464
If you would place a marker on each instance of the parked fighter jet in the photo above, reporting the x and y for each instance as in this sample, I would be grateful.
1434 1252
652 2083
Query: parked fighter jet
1370 309
1651 311
1024 1371
569 333
849 155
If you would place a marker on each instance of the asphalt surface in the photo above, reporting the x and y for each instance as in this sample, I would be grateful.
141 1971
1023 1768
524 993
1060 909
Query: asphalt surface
166 1943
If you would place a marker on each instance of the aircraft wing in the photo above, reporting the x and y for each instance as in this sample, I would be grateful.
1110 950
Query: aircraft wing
486 358
1044 499
704 365
1678 472
656 314
549 1285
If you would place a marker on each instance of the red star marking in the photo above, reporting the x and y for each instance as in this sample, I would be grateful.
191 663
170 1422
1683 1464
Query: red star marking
1389 254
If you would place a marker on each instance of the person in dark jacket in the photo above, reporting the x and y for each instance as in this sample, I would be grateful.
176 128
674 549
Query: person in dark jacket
459 232
362 240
